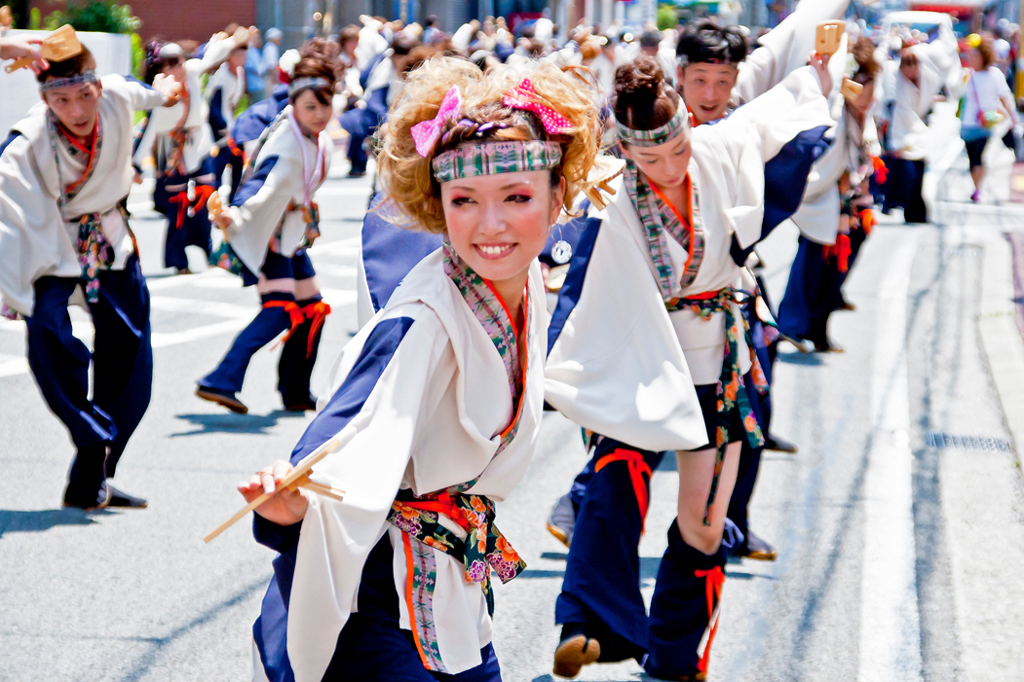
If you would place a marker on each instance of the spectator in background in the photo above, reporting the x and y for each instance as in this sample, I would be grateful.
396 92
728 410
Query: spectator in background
431 31
986 102
271 56
255 69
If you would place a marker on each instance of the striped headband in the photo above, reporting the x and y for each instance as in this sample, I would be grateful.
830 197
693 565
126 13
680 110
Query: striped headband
84 77
300 84
488 158
657 136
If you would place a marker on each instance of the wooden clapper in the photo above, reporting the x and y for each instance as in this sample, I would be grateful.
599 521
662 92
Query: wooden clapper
296 478
60 45
827 37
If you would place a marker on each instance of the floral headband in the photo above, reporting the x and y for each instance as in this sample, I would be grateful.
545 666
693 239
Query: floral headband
300 84
658 136
84 77
486 158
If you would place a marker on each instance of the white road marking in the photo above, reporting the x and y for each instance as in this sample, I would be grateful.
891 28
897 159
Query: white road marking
890 636
238 316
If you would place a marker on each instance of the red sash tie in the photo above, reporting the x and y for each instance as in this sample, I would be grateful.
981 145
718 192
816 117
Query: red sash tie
714 578
202 193
637 468
294 312
317 312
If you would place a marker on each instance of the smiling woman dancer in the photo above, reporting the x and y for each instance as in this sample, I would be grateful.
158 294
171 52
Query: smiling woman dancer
437 401
653 302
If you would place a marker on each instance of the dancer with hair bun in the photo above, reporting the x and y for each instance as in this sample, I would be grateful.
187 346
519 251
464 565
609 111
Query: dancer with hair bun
653 301
437 402
268 229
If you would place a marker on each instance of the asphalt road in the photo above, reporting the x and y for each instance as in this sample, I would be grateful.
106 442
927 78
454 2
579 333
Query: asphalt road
900 524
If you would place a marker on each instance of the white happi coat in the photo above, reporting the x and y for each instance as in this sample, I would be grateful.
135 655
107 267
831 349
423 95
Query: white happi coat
431 421
937 64
818 215
616 366
232 87
267 196
162 121
34 239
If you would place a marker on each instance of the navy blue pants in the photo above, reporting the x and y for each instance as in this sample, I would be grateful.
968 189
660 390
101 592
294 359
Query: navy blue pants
122 364
357 154
223 160
903 188
750 458
812 293
601 589
296 364
371 647
680 617
194 230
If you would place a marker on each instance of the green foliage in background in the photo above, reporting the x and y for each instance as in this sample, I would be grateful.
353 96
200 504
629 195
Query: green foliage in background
667 17
35 20
103 16
138 56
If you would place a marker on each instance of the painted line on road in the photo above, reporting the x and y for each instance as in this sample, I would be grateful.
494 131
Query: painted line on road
239 316
890 634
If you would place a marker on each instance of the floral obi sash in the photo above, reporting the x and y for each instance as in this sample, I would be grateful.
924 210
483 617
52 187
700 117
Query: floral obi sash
732 392
484 548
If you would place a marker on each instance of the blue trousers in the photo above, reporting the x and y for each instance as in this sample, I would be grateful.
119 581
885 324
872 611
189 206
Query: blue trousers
811 293
295 366
122 364
194 231
679 609
371 647
601 589
357 154
225 159
903 188
750 458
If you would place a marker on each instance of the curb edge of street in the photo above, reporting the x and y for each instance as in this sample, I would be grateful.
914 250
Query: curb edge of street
1000 339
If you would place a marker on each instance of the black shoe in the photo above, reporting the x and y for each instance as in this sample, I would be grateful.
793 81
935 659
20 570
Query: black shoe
89 500
356 174
123 500
756 548
307 404
827 345
224 398
773 442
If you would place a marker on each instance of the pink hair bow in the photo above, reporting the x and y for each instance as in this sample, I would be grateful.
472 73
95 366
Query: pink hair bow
524 97
425 133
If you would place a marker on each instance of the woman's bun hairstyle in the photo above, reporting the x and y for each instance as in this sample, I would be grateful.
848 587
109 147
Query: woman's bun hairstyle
641 99
318 58
408 178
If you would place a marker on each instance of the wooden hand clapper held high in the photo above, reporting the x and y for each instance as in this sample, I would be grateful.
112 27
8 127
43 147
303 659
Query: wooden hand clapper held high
60 45
827 37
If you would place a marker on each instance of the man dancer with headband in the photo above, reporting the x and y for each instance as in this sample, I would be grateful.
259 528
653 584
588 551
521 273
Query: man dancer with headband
65 174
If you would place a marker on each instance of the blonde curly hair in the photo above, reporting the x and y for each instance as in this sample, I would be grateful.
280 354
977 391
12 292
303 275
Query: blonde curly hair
408 178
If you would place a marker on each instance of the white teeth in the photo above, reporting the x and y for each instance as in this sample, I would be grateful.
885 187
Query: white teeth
494 250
